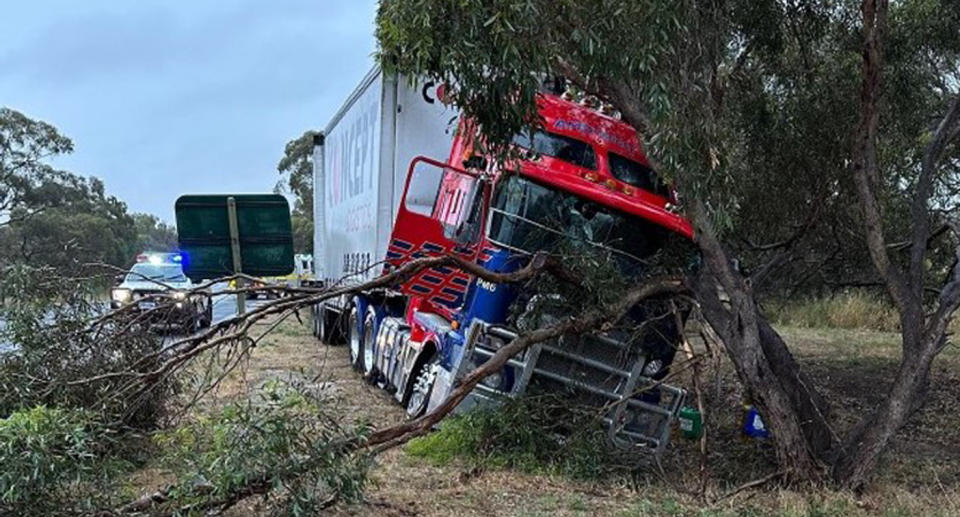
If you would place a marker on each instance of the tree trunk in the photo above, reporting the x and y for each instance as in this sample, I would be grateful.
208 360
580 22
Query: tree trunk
812 409
790 406
861 450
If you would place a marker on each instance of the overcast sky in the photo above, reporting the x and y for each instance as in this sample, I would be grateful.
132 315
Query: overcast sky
169 97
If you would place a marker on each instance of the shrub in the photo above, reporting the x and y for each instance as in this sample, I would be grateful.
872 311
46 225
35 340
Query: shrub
52 344
284 443
52 461
522 434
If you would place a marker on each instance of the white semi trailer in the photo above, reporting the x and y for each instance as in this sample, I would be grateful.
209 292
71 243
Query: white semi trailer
360 163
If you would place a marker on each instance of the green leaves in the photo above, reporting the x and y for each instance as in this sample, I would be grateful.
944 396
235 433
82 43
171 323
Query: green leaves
284 442
750 104
50 216
46 454
297 165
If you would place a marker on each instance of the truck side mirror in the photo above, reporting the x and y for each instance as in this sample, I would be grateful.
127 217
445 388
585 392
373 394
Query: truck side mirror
118 278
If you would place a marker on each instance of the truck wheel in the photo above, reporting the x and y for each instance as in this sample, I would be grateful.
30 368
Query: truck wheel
317 313
422 388
207 314
335 328
193 323
369 342
325 328
355 339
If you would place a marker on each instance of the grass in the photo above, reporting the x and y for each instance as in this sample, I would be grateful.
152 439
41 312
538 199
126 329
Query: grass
521 435
450 473
852 310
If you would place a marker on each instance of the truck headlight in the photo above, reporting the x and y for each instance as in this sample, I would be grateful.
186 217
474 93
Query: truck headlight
120 295
652 368
494 343
179 295
494 380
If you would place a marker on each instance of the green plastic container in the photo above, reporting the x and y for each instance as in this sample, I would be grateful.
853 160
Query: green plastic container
691 423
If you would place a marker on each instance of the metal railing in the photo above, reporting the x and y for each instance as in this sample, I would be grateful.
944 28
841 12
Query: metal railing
637 410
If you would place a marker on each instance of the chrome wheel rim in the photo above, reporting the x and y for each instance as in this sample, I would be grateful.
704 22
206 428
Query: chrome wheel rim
354 337
420 394
368 339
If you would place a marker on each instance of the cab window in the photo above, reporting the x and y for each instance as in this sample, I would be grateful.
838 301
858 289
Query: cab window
561 147
636 174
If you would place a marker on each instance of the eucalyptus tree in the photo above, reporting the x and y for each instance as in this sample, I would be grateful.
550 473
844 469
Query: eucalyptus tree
28 183
753 109
297 165
50 216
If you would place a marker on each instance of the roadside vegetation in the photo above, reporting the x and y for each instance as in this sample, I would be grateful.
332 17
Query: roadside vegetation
535 435
816 143
60 219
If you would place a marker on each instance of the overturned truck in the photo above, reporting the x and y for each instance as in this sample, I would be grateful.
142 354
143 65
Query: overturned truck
395 180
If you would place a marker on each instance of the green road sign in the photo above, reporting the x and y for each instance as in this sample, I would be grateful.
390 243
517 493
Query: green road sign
263 232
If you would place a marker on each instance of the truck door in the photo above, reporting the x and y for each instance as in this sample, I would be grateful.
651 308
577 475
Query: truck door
441 212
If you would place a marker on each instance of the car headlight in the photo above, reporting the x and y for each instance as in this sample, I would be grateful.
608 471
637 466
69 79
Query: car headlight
179 295
120 295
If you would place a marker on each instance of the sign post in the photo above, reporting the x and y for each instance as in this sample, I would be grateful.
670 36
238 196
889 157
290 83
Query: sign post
222 235
235 251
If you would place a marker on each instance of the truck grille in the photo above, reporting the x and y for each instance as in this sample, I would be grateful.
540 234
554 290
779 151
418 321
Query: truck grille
593 371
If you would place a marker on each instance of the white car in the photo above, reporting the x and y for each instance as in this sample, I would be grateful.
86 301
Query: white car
156 285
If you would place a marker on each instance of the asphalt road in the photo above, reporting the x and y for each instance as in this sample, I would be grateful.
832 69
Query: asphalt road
224 307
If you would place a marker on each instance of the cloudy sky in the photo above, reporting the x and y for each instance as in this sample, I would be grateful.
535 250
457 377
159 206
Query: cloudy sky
168 97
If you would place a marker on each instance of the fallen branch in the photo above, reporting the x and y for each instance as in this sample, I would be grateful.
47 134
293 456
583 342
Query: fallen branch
751 484
398 434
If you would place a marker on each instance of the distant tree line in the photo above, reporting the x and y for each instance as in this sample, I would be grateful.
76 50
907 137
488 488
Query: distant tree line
52 217
296 168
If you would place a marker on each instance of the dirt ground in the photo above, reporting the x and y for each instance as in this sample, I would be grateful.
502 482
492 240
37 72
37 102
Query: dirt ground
919 476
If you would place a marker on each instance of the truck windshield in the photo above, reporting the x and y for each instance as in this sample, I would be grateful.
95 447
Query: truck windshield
529 217
159 272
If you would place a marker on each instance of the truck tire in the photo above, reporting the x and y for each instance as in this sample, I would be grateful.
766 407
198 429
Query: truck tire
325 326
419 397
355 339
207 314
332 328
315 314
369 345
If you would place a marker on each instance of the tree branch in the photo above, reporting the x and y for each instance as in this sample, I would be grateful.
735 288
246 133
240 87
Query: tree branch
865 168
947 130
400 433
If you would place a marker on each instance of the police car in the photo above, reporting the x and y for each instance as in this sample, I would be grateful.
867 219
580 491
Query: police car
157 284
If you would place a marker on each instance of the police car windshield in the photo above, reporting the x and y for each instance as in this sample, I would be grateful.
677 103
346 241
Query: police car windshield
527 216
158 272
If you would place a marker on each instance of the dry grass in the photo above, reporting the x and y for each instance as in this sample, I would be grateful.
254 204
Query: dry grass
854 310
920 475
